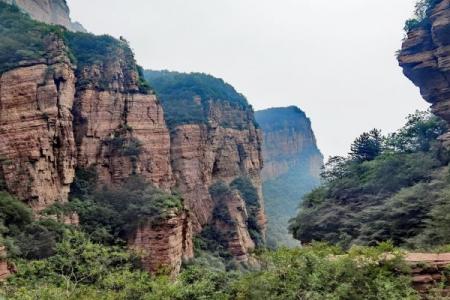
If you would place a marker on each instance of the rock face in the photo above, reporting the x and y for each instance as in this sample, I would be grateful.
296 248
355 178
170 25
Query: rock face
425 58
220 145
37 148
292 164
56 117
429 272
203 155
170 240
48 11
4 269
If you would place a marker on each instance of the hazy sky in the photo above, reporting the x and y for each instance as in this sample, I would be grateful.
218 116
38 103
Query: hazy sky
333 59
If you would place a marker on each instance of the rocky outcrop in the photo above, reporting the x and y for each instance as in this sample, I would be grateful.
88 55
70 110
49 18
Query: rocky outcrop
164 244
203 155
48 11
429 271
233 225
425 58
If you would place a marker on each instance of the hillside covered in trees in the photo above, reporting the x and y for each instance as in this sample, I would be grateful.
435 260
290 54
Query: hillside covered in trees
389 188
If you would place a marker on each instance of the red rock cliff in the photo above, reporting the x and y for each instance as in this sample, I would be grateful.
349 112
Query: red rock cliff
37 148
55 117
203 155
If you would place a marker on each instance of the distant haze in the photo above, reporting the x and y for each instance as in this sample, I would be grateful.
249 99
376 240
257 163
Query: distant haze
333 59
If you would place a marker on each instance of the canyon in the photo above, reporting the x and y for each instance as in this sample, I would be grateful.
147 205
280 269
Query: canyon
70 111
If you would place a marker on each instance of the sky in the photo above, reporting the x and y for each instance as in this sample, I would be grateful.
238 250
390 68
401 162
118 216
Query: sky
333 59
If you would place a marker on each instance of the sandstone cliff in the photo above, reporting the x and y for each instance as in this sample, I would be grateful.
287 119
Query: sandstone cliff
79 102
425 57
214 140
48 11
292 164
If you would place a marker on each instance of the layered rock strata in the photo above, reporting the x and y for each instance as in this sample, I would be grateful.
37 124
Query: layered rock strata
55 118
425 58
203 155
168 240
292 166
37 149
429 272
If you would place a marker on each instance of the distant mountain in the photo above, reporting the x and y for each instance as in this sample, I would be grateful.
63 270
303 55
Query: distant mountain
292 164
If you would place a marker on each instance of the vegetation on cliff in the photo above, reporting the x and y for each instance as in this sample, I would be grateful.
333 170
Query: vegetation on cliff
24 41
191 92
420 15
22 38
392 187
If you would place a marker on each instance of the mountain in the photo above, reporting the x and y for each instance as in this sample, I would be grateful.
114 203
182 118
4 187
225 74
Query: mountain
48 11
215 152
292 164
85 140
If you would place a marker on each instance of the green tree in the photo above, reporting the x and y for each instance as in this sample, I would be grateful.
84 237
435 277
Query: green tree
367 146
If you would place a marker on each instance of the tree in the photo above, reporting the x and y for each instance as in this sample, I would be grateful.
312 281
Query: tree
367 146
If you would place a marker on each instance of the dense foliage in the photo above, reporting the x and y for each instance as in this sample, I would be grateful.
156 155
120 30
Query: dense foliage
23 236
185 97
110 214
81 269
397 194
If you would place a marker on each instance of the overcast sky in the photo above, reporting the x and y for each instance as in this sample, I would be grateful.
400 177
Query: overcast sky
333 59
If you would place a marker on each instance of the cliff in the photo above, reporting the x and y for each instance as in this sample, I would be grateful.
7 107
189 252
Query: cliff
75 101
48 11
424 57
292 165
214 141
77 115
289 142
